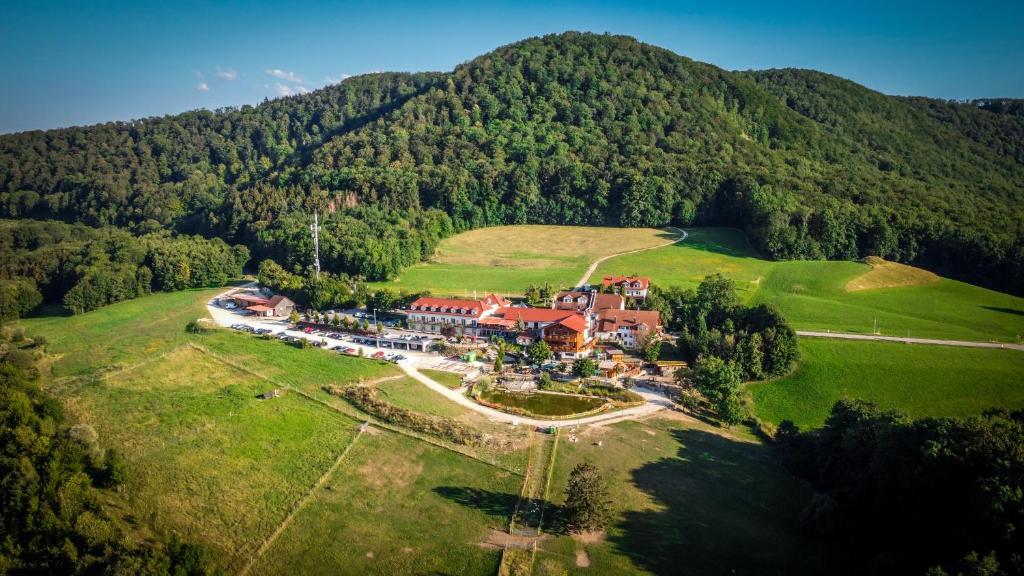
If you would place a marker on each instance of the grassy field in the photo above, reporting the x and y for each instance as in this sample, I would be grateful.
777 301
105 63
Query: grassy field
388 510
507 259
813 294
685 501
544 404
450 379
217 466
918 380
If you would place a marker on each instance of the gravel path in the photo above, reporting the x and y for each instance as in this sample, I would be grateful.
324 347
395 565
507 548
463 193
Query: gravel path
593 266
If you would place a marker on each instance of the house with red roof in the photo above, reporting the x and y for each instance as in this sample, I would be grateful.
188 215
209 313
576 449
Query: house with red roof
629 328
632 286
463 316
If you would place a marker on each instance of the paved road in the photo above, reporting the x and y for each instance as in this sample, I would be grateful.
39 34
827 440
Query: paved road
593 266
928 341
654 403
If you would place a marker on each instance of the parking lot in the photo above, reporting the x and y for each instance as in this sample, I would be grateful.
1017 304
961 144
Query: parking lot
392 346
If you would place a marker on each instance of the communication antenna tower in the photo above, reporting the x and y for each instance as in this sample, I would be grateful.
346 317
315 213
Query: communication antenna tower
315 228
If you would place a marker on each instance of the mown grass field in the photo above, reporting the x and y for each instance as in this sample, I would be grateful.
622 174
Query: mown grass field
813 294
507 259
685 500
917 380
450 379
389 510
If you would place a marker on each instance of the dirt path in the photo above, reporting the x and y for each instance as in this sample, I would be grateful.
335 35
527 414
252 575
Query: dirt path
926 341
297 507
593 266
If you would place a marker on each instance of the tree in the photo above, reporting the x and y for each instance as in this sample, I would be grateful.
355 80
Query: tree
499 362
584 367
750 356
586 500
716 297
294 317
719 382
539 352
651 349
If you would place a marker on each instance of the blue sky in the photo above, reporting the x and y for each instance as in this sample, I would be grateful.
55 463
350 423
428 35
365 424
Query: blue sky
69 63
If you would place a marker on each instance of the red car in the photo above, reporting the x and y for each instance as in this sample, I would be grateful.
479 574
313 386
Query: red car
307 329
378 355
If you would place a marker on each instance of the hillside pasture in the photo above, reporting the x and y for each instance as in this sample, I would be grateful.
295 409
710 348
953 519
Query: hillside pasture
814 294
507 259
918 380
388 510
685 500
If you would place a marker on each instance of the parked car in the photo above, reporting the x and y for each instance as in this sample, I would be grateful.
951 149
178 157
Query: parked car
378 355
307 330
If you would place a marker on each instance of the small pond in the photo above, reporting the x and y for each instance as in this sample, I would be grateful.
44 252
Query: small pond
543 404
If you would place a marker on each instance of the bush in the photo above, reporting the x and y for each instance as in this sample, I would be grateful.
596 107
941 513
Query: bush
196 327
367 400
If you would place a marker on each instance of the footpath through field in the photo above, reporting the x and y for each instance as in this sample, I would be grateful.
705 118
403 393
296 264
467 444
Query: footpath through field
908 340
593 266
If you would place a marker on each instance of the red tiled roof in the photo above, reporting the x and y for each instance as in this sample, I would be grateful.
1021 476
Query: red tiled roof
259 308
608 302
611 320
617 280
576 323
249 298
495 321
534 314
450 306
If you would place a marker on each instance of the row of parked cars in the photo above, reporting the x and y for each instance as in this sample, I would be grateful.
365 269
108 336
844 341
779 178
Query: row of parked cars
284 336
251 329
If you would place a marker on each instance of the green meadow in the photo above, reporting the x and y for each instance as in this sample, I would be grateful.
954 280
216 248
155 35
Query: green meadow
507 259
685 499
918 380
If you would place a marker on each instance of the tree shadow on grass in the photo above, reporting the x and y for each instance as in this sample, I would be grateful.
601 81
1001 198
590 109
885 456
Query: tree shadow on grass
721 507
502 505
1013 311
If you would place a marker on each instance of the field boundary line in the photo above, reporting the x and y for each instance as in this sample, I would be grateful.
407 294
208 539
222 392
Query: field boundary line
298 506
593 265
908 340
355 415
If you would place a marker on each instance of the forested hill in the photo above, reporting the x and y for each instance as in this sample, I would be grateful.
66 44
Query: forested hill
572 128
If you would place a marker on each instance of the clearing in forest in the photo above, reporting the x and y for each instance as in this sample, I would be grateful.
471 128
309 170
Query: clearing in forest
507 259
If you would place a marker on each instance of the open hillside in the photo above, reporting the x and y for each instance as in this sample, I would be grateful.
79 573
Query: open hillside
295 484
565 129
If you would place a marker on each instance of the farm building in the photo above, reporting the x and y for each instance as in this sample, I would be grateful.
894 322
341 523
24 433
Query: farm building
275 306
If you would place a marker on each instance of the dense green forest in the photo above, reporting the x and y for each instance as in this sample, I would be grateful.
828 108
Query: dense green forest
932 496
570 129
86 268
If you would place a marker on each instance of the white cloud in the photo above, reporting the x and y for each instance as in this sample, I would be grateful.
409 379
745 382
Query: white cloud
335 80
285 75
227 74
282 89
203 87
301 90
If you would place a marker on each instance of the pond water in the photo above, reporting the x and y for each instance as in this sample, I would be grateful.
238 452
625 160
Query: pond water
543 404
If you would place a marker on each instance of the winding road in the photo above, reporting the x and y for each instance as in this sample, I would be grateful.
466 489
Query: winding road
593 266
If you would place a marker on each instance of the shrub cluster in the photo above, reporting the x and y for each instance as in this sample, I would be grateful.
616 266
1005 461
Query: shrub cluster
368 400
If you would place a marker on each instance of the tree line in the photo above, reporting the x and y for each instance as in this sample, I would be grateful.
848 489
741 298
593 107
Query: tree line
726 342
934 496
84 268
565 129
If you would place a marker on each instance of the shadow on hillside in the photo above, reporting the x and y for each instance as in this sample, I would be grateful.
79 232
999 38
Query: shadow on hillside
1013 311
502 505
724 241
720 507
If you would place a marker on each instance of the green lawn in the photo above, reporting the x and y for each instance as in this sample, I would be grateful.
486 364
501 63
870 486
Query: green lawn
553 405
393 508
918 380
452 380
685 501
411 394
507 259
812 295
